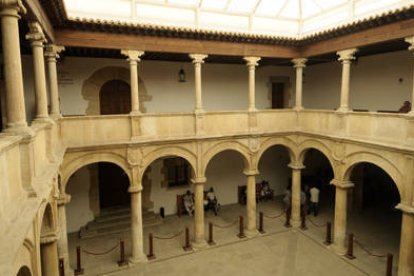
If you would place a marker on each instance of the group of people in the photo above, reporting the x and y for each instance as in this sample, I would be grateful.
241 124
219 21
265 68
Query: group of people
309 199
210 201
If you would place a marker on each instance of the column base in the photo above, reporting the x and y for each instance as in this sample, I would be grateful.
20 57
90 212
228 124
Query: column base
135 113
43 120
343 110
298 108
56 116
19 129
251 233
339 249
197 245
295 223
137 260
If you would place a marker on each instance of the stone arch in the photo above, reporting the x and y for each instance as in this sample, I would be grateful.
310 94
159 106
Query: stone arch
176 151
368 157
289 145
91 158
24 271
47 221
321 147
225 146
92 86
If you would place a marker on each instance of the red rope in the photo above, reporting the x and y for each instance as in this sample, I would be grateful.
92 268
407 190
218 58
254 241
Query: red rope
170 237
367 251
100 253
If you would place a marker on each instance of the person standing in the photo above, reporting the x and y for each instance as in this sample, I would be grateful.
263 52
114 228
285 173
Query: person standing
314 201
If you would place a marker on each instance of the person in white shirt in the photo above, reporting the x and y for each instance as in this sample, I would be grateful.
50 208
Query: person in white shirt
314 201
189 203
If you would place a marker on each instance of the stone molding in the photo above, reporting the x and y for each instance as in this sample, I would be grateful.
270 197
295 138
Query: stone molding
199 180
135 188
342 184
296 166
405 208
49 238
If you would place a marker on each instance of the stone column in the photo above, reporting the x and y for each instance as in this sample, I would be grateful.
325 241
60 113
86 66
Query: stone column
406 256
37 38
137 243
252 62
410 40
296 191
198 59
13 78
199 238
299 64
345 57
62 242
49 256
251 227
134 58
52 53
341 201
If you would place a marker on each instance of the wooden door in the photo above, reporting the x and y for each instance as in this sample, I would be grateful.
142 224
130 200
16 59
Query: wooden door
115 98
278 91
113 186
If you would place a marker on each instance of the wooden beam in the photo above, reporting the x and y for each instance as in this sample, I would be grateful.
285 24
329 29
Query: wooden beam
75 38
392 31
36 12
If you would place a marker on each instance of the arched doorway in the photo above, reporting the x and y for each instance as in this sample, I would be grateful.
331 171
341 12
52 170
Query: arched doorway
24 271
115 97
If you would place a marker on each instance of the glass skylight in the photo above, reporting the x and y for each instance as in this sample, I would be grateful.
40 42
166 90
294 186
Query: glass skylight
287 18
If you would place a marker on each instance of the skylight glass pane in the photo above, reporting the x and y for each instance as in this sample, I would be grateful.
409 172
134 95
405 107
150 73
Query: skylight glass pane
326 20
98 8
309 8
243 6
164 15
291 10
328 4
275 26
369 6
214 4
184 2
208 20
269 7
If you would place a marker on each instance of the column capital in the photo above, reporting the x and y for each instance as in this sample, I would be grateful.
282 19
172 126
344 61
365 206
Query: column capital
342 184
251 172
410 40
35 34
63 199
198 58
347 55
49 238
405 208
12 4
132 55
52 50
299 62
198 180
296 165
252 61
135 188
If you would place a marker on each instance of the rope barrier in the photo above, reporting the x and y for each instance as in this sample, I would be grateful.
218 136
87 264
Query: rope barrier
316 224
227 225
275 216
367 251
168 238
100 253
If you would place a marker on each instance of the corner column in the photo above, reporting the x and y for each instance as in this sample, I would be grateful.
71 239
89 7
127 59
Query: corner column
133 59
49 256
37 38
199 238
410 40
62 242
251 227
406 256
13 77
340 223
251 63
299 64
296 191
51 54
345 57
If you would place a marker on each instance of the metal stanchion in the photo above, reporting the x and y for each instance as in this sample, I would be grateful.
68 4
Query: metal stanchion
328 239
61 267
187 246
287 223
389 264
350 251
210 234
261 230
241 228
79 270
151 254
122 260
303 222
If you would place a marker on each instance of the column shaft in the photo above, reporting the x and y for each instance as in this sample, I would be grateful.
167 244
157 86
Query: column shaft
341 198
136 228
251 205
406 256
296 192
299 64
52 53
199 238
133 66
198 96
252 62
49 260
62 243
346 70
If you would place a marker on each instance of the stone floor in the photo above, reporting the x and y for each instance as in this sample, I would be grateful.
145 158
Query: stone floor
280 251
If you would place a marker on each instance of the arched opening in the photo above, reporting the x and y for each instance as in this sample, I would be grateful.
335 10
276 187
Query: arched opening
373 219
115 97
24 271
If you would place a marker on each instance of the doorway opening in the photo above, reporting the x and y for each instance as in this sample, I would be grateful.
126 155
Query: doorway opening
115 98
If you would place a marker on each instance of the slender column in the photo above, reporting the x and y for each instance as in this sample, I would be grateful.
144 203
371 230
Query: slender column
251 63
51 54
62 242
406 256
136 225
13 78
340 224
133 59
37 38
49 256
299 64
198 59
410 40
296 192
251 228
199 238
345 57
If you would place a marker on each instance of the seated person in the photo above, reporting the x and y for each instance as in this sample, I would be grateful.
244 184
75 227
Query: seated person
188 202
405 108
266 192
210 200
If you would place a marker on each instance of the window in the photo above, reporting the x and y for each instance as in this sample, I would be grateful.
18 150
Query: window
177 172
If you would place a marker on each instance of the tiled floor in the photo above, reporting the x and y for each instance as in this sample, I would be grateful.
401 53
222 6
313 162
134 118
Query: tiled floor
280 251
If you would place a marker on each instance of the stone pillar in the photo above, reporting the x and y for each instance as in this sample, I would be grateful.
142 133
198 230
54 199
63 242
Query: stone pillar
198 59
406 256
137 242
251 227
410 40
134 58
37 38
52 53
252 62
199 238
296 191
341 201
13 78
345 57
49 256
299 64
62 242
